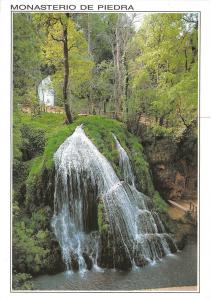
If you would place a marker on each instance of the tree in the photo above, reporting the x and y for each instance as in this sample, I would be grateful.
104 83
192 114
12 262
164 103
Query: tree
163 70
66 48
118 33
26 58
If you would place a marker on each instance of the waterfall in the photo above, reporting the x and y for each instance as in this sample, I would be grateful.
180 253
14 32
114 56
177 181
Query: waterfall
124 164
84 181
46 92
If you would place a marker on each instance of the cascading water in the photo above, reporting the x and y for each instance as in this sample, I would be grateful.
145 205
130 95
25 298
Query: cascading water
124 164
84 181
46 92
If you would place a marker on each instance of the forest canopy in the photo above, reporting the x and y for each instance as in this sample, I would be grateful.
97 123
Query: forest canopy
102 64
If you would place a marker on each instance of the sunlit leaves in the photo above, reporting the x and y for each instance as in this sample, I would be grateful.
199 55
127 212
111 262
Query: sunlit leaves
52 50
163 73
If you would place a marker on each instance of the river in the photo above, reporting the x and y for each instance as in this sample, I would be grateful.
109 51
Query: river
179 269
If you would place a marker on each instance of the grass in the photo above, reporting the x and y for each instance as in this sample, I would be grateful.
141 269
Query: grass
50 123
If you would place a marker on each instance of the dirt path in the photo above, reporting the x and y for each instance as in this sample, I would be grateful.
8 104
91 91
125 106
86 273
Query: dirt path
178 210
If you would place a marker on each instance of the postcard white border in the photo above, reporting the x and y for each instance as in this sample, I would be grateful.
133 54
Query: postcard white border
205 146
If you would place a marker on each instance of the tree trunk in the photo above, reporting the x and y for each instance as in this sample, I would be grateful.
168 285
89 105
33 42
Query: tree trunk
186 61
138 123
66 76
126 81
89 34
161 121
118 70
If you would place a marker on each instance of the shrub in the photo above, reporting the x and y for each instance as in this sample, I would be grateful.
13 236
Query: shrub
22 281
30 249
33 141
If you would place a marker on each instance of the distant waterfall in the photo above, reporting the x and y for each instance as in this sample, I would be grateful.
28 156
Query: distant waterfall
46 92
84 178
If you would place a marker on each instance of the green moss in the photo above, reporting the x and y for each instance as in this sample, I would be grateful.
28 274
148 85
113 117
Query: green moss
103 227
99 130
160 205
140 166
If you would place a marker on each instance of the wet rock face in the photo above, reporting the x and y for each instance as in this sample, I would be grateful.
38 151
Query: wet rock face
56 263
105 258
90 209
171 245
112 253
41 192
173 164
79 188
74 262
88 261
140 260
175 182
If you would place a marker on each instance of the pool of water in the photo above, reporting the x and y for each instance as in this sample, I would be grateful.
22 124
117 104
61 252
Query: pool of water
179 269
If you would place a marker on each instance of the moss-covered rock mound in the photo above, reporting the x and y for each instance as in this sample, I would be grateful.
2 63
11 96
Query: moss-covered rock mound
99 130
35 249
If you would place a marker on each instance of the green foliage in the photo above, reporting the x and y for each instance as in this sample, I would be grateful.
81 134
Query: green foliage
95 27
52 27
33 141
28 141
26 57
17 140
19 168
35 250
160 131
98 90
30 246
163 70
22 281
141 168
160 205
